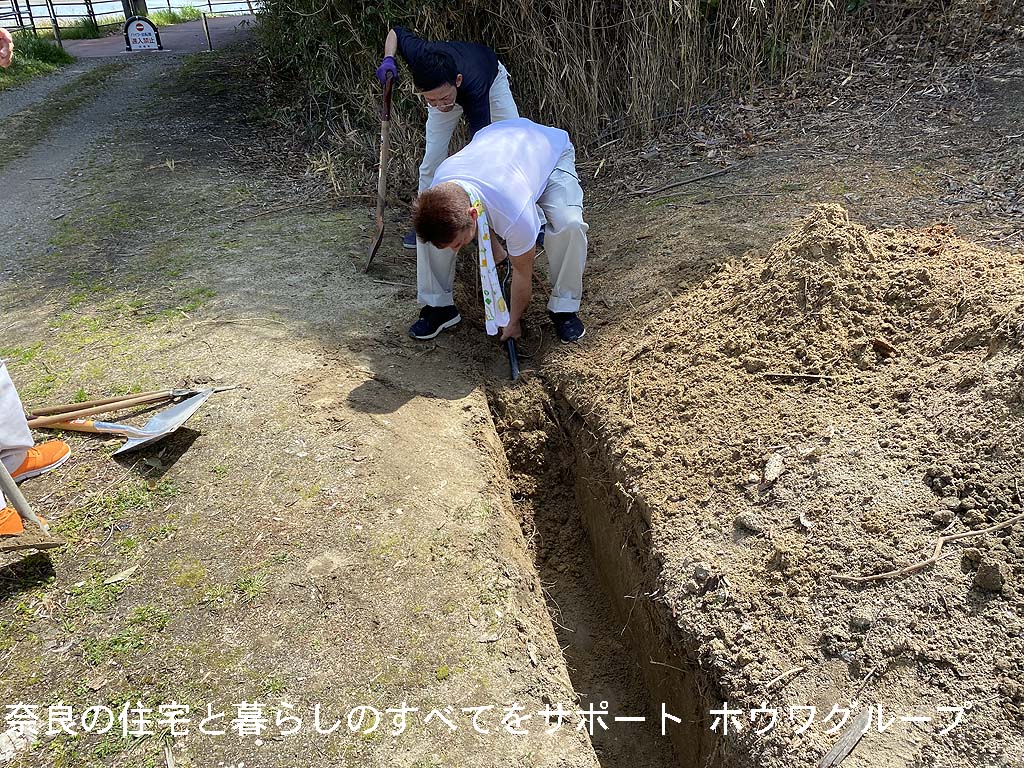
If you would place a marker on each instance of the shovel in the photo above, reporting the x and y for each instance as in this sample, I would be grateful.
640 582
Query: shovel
161 425
382 173
92 407
510 345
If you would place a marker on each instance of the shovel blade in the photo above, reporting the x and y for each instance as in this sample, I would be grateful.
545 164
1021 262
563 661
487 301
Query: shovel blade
166 422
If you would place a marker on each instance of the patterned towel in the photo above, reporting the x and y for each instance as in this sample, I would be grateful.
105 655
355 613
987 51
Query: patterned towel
495 309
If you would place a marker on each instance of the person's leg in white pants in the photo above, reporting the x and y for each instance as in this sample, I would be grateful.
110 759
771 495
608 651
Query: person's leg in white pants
435 275
439 130
503 106
565 238
15 437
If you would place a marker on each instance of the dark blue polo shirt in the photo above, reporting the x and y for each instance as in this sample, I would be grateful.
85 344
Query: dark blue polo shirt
477 63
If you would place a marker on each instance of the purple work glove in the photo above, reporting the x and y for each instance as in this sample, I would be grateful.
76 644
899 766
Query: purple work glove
386 66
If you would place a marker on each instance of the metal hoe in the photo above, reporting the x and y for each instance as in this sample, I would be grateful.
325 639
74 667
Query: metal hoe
382 173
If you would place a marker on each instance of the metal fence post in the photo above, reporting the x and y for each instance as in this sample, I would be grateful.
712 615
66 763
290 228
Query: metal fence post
31 19
53 21
206 28
17 12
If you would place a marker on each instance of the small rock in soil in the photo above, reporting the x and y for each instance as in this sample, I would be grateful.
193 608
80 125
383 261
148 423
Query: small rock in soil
989 577
773 468
749 521
860 621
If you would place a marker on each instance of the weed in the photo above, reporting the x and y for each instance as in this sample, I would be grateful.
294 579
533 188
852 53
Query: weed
33 57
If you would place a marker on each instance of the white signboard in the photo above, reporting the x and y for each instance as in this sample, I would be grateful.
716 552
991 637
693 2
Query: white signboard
140 34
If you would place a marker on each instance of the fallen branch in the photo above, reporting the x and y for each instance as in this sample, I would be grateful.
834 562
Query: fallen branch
690 180
942 541
808 376
794 672
847 741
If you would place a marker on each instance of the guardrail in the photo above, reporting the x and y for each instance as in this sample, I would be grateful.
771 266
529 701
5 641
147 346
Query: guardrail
51 15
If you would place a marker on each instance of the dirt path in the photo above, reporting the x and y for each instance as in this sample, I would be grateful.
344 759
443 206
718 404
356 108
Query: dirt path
336 531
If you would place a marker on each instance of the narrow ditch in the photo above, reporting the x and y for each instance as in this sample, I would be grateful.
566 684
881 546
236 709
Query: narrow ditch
590 548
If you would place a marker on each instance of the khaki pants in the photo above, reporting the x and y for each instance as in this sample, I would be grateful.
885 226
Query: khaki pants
565 243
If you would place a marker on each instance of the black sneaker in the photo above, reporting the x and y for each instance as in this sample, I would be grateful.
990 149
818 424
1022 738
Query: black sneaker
568 326
433 320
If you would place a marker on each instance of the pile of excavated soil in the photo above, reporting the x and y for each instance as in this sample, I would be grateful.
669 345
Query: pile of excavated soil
829 408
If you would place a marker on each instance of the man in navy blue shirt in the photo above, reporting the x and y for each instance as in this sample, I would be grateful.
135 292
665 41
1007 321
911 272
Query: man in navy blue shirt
453 79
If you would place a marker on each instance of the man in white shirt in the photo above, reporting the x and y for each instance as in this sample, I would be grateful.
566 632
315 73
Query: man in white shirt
510 168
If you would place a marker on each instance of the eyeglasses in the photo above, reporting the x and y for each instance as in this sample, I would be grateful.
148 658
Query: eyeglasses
437 103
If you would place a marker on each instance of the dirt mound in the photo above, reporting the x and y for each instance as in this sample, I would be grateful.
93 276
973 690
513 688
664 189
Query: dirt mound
832 294
827 408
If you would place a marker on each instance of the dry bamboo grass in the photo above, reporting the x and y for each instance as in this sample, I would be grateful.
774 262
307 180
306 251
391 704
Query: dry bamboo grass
608 68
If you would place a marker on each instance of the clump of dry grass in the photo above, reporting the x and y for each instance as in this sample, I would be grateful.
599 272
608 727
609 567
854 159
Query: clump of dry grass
607 68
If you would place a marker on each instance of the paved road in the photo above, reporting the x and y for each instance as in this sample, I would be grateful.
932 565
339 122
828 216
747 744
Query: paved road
177 38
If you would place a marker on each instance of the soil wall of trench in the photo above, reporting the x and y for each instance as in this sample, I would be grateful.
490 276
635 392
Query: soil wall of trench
589 540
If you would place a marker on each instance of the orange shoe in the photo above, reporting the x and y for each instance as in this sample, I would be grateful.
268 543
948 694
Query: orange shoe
42 458
10 522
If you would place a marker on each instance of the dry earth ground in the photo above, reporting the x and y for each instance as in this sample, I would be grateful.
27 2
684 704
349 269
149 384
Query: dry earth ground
336 531
653 436
723 503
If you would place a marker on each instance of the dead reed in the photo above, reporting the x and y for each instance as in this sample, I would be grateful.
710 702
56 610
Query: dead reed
603 69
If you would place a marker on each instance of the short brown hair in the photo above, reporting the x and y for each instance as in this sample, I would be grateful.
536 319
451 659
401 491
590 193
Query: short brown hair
440 214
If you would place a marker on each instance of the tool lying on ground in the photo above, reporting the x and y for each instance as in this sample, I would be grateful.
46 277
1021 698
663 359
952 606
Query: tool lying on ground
382 172
42 417
73 417
510 345
161 425
36 534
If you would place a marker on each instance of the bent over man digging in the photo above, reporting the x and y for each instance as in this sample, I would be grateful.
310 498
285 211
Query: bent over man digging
453 78
493 186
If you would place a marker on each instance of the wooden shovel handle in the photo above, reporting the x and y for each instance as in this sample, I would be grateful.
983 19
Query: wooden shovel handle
48 421
54 409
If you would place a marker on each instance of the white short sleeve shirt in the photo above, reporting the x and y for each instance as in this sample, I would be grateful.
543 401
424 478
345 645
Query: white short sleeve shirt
509 163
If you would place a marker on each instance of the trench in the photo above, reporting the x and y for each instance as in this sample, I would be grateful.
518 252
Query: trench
600 581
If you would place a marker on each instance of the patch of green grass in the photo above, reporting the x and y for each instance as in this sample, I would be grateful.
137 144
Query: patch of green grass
33 57
80 29
111 745
175 15
252 587
274 686
188 575
94 596
149 617
20 354
97 651
102 511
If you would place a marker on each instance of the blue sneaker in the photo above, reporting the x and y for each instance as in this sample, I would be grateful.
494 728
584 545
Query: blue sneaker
433 320
409 241
540 238
568 326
